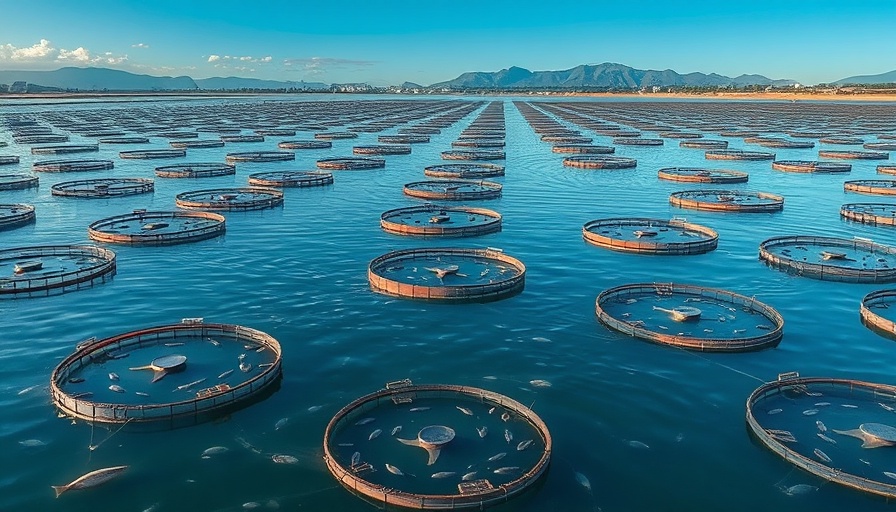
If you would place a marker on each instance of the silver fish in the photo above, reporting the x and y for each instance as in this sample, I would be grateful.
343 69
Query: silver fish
821 455
315 408
506 470
346 444
395 430
189 384
75 380
524 444
540 383
810 412
213 342
419 409
491 410
225 374
91 479
214 450
508 436
373 435
776 411
799 489
821 426
356 458
638 444
499 456
890 475
583 481
174 344
443 474
469 476
826 438
113 376
281 423
849 406
245 367
141 393
32 443
284 459
395 471
822 404
365 421
483 431
29 388
885 406
464 410
117 388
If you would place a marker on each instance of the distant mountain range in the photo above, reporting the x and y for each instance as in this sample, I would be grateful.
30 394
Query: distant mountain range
607 75
883 78
98 79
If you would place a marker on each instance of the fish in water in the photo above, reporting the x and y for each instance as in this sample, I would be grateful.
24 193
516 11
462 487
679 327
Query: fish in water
524 444
540 383
251 505
356 458
810 412
116 388
822 404
91 479
464 410
491 410
506 470
825 438
799 489
583 481
849 406
483 431
373 435
395 471
776 411
284 459
890 475
638 444
189 384
443 474
75 380
508 436
346 444
821 426
245 367
395 430
28 389
141 393
821 455
225 374
885 406
499 456
214 450
505 416
469 476
213 342
174 344
281 423
113 376
32 443
315 408
419 409
365 421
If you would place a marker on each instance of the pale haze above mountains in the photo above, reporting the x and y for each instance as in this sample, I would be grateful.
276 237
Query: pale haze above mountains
607 75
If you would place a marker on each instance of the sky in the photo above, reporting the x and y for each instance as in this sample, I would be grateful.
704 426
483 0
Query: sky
383 43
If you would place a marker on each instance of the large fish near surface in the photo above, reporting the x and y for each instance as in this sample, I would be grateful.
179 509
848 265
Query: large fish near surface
91 479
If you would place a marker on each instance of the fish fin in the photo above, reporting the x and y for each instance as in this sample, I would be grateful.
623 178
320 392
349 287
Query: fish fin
59 489
433 455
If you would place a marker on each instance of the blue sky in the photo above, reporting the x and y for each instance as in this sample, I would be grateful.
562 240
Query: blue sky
426 42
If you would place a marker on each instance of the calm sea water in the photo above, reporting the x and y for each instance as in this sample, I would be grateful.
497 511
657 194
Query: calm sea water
299 273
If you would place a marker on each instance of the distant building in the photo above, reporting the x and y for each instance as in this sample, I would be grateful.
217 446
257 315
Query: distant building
18 87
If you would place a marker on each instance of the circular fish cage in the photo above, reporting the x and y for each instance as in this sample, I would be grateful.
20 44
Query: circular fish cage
478 143
566 140
693 175
704 144
453 190
873 187
152 154
870 213
447 274
40 139
305 144
350 163
808 166
874 312
15 215
600 162
230 199
842 141
584 149
53 269
179 374
103 187
680 135
8 159
880 146
734 154
385 149
419 130
854 155
335 135
72 165
196 144
637 141
790 417
178 135
435 220
17 181
65 150
886 169
288 179
650 236
464 171
435 428
123 140
276 132
260 156
691 317
727 201
242 138
857 260
157 228
196 170
772 142
459 154
403 139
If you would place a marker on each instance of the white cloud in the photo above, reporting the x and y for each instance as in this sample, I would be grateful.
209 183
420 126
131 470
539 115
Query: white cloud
214 58
78 55
40 51
246 59
140 45
44 53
